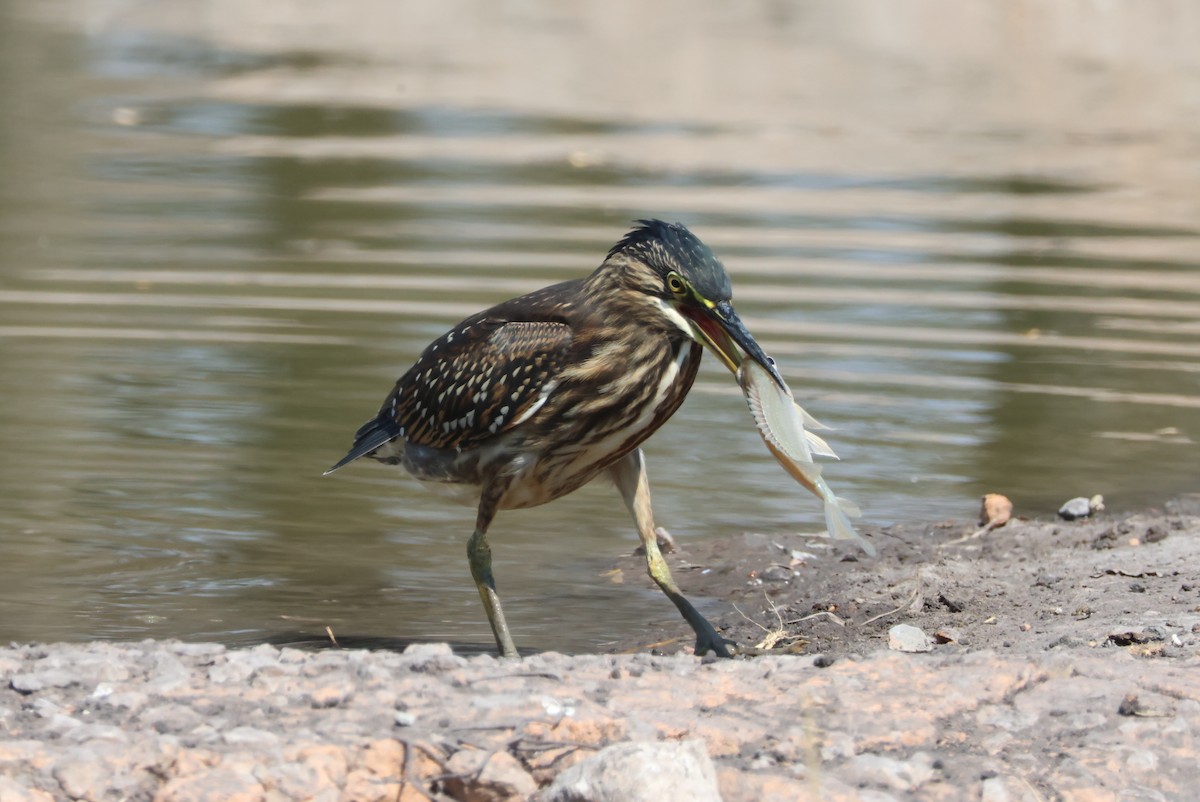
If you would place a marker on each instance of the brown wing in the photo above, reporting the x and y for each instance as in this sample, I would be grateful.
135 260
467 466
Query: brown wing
477 381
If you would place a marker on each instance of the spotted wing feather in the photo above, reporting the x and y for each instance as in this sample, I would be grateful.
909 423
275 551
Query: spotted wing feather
477 381
480 379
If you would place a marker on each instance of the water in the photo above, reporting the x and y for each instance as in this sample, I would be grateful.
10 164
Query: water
224 233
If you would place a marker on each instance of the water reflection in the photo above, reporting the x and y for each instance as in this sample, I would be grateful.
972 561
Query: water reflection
216 254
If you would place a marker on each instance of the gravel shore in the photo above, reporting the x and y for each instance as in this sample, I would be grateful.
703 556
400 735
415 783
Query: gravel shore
1097 706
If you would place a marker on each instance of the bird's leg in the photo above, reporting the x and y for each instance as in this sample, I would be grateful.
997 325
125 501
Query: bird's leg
479 554
629 474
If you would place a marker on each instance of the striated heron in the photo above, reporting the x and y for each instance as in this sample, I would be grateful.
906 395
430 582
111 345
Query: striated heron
529 400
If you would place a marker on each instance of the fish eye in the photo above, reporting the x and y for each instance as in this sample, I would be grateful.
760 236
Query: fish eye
675 283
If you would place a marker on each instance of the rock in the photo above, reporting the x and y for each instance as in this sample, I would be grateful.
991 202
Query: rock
1066 642
1154 534
170 718
776 573
765 787
250 737
296 781
481 776
332 695
167 674
1009 789
82 776
947 635
1081 507
328 761
893 773
995 511
907 638
218 785
640 772
1075 508
105 694
40 680
13 791
431 657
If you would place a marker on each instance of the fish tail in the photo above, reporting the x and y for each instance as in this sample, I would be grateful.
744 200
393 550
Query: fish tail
838 523
847 506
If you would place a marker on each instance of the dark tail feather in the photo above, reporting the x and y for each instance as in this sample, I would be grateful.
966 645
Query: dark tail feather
370 436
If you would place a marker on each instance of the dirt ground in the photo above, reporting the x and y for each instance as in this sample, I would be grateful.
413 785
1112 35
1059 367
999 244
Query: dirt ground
1023 588
1061 662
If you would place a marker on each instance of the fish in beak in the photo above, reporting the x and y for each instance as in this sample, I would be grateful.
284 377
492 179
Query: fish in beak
719 327
780 420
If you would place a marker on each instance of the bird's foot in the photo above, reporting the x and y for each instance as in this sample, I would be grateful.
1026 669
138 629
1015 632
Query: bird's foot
709 641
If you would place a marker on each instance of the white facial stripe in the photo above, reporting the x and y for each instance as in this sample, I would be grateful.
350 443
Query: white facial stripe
675 317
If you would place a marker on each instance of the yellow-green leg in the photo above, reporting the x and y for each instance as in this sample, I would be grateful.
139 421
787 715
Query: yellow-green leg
630 477
479 554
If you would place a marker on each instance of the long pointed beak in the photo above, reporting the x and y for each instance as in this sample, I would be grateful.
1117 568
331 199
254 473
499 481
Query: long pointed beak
726 336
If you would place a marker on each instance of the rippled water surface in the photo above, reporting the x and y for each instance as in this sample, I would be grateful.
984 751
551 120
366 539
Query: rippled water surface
968 233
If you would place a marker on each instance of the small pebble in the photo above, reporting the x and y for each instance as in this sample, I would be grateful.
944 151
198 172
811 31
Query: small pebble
1075 508
995 510
907 638
1081 507
776 573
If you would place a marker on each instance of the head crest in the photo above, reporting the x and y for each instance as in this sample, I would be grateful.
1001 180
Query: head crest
670 246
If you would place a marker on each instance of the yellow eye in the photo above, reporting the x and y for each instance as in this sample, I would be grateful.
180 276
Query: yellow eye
675 283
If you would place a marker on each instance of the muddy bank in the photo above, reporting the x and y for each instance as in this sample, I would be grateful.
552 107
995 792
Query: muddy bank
1023 588
1062 665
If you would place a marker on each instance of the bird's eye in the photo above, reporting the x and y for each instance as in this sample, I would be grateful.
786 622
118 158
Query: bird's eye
675 283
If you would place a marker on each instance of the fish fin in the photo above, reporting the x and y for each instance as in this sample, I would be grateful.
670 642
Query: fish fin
809 421
818 445
849 507
840 527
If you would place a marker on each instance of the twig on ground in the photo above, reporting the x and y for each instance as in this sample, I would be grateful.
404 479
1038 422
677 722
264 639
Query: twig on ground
916 592
773 636
978 533
834 617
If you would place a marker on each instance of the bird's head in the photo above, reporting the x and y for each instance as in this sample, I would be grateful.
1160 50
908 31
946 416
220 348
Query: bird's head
688 285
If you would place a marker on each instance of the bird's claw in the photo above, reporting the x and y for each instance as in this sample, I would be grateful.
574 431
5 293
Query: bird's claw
714 643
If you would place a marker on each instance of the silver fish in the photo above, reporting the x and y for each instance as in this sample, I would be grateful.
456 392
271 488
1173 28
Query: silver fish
781 424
